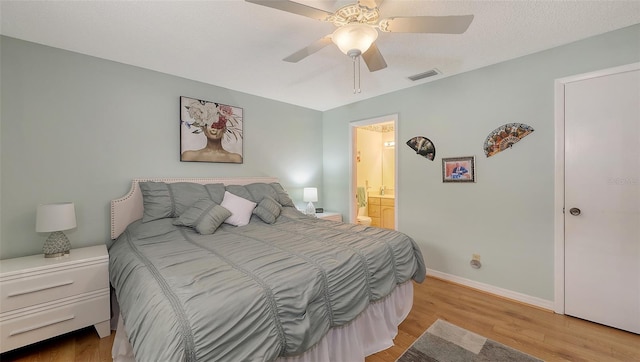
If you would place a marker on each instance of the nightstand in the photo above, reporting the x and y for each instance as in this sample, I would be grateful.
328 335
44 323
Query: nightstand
41 298
333 216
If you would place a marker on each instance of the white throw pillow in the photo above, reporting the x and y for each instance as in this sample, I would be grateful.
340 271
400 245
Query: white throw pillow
241 209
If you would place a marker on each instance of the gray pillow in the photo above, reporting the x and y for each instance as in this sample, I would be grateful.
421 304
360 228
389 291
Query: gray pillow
205 216
157 200
268 210
216 192
242 191
257 191
283 196
185 194
162 199
261 190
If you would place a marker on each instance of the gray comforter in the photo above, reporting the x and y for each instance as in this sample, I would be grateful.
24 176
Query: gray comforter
251 293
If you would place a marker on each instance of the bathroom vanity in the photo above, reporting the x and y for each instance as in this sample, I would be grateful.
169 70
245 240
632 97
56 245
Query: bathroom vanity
382 211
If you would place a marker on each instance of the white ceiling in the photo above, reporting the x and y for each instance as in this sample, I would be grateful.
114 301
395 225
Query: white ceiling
240 46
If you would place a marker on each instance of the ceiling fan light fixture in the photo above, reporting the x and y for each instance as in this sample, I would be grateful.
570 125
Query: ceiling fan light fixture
355 36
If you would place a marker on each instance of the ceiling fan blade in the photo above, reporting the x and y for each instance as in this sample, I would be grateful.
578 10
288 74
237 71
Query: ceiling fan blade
293 7
456 24
373 58
370 3
305 52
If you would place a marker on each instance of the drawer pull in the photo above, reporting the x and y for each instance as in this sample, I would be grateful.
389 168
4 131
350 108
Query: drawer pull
15 294
42 325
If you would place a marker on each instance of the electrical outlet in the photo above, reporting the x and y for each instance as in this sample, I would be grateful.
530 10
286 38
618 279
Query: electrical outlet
475 261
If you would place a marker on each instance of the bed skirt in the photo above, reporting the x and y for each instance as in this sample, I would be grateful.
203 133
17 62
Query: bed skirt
371 332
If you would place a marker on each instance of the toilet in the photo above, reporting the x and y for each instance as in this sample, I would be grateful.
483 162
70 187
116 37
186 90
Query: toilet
362 219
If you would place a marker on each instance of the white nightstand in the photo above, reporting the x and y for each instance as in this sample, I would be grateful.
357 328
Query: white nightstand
41 298
334 216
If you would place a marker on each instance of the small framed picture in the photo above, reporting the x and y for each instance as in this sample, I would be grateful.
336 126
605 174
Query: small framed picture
458 169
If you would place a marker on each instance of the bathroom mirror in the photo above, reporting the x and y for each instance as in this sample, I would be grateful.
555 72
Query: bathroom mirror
388 169
375 158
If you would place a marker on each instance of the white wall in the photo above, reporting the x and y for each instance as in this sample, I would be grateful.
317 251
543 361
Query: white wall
507 215
78 128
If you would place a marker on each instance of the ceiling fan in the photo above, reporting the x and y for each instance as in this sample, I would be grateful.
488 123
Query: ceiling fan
357 28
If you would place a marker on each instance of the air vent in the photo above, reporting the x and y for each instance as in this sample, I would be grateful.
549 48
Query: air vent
427 74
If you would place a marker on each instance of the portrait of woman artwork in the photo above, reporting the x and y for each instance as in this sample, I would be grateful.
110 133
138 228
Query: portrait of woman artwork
210 131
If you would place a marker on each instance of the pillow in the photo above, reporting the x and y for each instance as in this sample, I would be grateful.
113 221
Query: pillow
185 194
257 191
163 200
241 209
215 191
205 216
157 201
261 190
242 191
283 196
268 210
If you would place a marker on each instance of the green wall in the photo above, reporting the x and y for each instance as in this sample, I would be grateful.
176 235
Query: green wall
507 215
78 128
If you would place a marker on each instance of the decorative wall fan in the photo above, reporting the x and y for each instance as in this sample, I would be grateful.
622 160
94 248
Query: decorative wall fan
357 28
504 137
423 147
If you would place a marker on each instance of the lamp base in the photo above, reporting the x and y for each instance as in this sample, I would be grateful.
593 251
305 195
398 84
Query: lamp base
310 210
56 245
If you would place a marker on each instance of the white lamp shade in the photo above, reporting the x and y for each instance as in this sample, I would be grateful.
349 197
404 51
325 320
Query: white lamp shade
354 36
56 217
310 194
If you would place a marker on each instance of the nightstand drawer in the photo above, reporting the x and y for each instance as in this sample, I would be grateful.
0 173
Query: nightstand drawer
44 322
25 292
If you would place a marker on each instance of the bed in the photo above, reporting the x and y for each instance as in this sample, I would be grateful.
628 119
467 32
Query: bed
217 269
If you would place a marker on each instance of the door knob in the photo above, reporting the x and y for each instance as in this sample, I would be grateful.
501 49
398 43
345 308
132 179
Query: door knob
574 211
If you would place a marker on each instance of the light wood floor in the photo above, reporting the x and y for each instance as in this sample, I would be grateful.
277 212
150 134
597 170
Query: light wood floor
541 333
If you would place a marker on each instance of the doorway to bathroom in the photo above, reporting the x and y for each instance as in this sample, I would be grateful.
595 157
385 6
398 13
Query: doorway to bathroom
373 171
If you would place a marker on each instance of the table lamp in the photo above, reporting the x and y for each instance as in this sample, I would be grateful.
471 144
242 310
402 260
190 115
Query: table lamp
310 194
55 218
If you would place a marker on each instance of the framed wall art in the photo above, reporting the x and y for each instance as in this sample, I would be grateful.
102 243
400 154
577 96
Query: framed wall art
210 131
458 169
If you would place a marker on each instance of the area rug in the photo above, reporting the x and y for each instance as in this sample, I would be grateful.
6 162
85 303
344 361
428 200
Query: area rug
445 342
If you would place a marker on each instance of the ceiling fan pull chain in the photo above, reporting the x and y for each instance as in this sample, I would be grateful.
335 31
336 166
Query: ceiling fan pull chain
353 62
358 60
356 74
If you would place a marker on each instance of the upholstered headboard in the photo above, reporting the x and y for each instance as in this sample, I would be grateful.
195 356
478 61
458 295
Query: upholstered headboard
129 207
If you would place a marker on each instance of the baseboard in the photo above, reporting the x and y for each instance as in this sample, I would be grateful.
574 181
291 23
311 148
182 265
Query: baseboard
505 293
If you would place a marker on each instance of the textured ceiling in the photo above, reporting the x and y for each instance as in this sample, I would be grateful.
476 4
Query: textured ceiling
240 46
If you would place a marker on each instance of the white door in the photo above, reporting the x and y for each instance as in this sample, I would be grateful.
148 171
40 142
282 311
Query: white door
602 199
